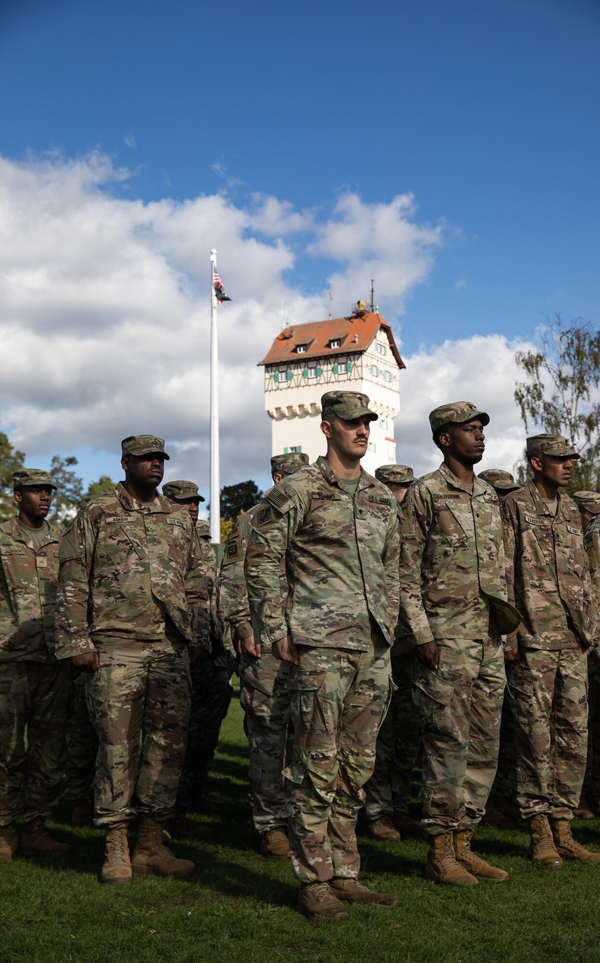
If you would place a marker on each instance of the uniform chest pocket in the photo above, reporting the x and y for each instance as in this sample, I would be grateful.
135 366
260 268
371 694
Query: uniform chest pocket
451 527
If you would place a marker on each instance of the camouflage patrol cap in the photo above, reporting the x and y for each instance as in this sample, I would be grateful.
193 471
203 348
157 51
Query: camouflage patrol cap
347 405
143 445
556 445
290 463
396 474
588 501
30 477
499 479
456 413
203 528
182 491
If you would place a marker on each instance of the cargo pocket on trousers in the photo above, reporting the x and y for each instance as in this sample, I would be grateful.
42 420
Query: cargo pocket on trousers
432 696
309 700
392 687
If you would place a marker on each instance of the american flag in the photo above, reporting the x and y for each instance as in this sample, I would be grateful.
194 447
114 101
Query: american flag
219 289
217 279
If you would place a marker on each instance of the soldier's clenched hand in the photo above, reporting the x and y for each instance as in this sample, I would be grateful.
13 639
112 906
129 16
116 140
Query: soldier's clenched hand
250 647
285 650
88 662
429 654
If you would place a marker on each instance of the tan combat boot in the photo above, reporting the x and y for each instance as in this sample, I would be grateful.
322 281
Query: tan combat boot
567 846
541 848
152 856
316 899
584 810
384 830
37 841
355 892
275 843
442 865
9 842
182 826
407 826
82 815
117 867
472 863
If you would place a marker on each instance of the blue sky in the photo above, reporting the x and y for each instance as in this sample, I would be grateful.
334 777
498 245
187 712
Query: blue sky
486 113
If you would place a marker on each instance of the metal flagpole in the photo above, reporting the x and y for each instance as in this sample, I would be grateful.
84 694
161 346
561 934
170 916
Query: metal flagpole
215 491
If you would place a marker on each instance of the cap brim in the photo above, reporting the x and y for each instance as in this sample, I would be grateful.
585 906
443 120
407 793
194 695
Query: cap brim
482 415
559 453
360 413
187 498
505 486
149 451
38 484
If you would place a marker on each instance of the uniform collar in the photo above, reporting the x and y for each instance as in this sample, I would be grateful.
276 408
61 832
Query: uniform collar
540 505
478 488
332 479
16 532
160 503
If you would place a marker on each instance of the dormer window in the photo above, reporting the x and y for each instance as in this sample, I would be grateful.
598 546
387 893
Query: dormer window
334 343
301 348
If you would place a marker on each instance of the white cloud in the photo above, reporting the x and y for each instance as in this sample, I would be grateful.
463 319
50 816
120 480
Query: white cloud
104 316
380 241
130 141
480 369
460 285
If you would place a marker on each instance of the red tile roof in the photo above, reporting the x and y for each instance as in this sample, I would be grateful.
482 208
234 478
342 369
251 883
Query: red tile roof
354 333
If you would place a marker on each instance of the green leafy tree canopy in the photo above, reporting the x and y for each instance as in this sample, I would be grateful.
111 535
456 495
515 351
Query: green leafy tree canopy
10 461
237 499
559 394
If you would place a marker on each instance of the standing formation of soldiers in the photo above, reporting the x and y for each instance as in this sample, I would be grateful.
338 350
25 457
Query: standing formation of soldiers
370 619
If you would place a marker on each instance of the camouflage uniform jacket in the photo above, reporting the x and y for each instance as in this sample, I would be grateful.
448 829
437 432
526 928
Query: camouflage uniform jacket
233 605
341 558
547 570
27 593
591 542
452 566
126 569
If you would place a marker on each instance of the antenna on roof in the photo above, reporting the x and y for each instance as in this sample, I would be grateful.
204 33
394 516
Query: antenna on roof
330 305
372 295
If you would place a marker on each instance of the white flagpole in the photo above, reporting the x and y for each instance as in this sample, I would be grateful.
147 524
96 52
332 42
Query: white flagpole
215 491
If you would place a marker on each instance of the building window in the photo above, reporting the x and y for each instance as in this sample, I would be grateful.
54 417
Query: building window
387 375
380 349
301 348
374 370
311 372
335 343
296 448
372 447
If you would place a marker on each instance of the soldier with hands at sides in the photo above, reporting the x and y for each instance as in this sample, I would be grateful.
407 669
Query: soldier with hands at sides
453 599
265 696
336 528
549 581
131 600
34 687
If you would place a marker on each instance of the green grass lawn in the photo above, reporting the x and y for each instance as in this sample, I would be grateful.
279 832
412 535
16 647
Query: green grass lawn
239 906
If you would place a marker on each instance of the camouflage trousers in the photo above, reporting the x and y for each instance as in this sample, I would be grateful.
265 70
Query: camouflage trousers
82 745
33 696
211 695
591 783
389 789
142 689
266 701
505 783
549 692
459 706
339 699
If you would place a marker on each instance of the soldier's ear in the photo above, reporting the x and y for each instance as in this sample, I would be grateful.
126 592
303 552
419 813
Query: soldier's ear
124 462
445 439
326 428
18 497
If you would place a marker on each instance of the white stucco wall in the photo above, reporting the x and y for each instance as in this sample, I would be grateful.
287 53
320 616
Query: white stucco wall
294 404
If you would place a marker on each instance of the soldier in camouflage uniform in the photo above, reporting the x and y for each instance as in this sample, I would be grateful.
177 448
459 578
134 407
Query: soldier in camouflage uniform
549 582
501 809
82 749
389 789
588 504
131 598
453 598
211 690
335 527
34 687
264 695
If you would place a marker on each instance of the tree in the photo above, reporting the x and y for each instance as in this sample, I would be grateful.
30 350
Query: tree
556 395
69 490
104 485
237 499
10 461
